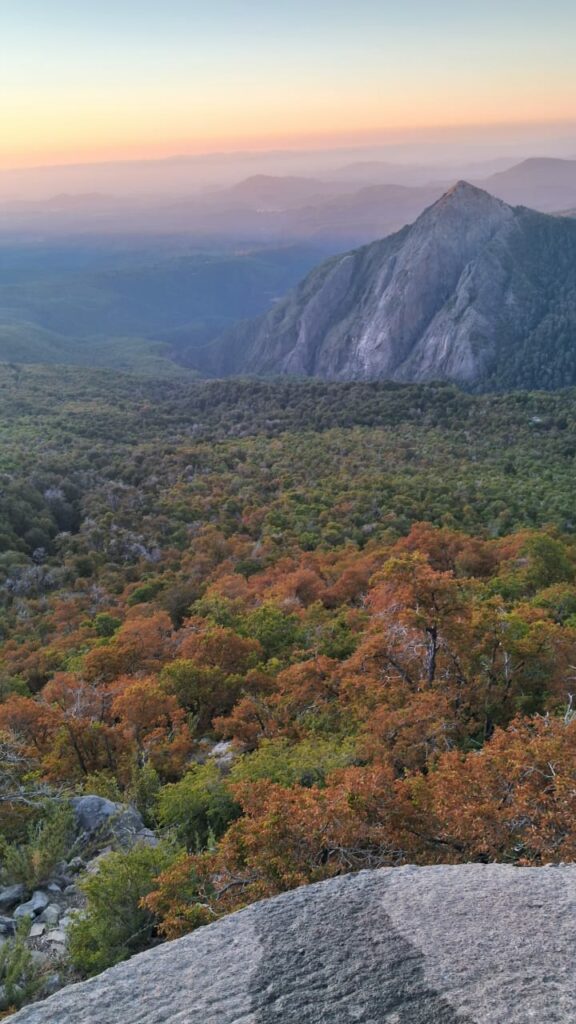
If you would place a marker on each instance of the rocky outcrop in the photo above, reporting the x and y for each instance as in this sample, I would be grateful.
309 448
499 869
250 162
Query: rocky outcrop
442 945
99 818
49 907
474 290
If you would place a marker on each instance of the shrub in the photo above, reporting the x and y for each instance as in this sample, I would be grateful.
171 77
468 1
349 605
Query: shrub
145 592
48 842
19 975
185 898
145 786
13 684
276 631
115 925
106 625
199 807
204 690
103 784
289 764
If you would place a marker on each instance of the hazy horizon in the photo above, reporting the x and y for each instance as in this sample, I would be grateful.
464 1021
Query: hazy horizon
137 81
437 153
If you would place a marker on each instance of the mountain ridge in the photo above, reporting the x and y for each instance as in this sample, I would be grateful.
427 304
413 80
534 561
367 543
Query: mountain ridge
474 291
545 183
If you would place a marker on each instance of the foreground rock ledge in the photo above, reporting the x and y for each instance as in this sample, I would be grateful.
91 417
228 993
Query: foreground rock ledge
439 945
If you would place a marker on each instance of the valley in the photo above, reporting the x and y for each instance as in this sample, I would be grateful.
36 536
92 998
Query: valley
287 547
160 287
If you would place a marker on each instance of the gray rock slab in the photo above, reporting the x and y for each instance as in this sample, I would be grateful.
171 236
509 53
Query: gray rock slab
93 812
51 915
474 944
35 905
97 815
10 895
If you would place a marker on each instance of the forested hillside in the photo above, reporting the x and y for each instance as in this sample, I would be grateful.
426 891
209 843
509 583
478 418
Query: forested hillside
364 594
136 304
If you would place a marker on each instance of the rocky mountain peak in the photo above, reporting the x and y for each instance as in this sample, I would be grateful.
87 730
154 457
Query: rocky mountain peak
464 200
465 190
445 298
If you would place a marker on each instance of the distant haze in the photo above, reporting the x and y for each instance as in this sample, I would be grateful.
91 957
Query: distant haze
139 79
416 158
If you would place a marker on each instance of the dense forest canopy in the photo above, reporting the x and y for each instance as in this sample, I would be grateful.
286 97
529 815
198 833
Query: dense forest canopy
366 590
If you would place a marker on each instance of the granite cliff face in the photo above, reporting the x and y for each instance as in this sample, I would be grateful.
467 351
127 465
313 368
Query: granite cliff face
472 944
472 290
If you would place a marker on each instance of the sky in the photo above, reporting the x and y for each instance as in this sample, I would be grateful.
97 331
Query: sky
85 80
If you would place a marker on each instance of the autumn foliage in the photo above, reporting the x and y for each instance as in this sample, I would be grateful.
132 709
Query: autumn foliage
407 702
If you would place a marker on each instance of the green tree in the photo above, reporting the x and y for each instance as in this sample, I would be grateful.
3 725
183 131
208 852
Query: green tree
115 925
198 808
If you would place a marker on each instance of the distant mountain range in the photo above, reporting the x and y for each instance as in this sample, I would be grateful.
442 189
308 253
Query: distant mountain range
337 212
474 291
148 285
382 172
273 193
183 175
544 184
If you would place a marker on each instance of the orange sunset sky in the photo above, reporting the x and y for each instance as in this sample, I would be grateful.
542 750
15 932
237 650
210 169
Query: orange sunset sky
136 78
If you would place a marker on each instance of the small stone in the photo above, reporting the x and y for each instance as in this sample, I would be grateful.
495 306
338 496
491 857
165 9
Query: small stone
51 915
37 930
223 753
54 887
60 876
62 880
148 838
51 985
76 865
39 957
7 926
38 902
58 937
70 890
93 866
